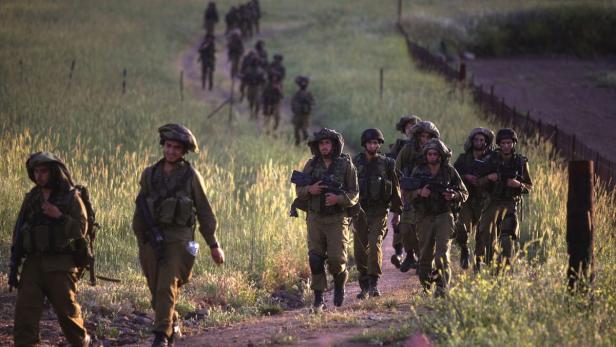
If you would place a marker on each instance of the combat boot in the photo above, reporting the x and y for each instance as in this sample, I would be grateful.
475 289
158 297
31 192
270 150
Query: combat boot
318 304
477 266
464 257
177 333
364 285
396 258
160 340
409 263
374 290
339 281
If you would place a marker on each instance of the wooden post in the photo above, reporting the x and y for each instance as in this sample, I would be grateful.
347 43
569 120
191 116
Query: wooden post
573 148
21 69
381 83
556 136
70 74
124 81
580 225
539 125
462 72
182 85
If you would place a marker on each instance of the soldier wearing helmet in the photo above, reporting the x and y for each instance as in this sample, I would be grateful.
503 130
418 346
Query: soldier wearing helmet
378 192
210 18
262 53
439 189
404 125
506 178
302 104
235 50
175 199
477 146
207 58
409 157
52 219
276 67
328 199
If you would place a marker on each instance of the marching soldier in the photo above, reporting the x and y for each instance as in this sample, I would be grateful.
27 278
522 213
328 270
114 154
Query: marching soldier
171 199
301 105
276 67
271 98
235 50
210 18
207 57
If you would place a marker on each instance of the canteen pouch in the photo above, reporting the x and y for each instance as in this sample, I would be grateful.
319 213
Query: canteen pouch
166 211
184 214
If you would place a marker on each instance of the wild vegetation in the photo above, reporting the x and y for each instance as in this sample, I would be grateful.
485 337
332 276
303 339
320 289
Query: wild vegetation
108 137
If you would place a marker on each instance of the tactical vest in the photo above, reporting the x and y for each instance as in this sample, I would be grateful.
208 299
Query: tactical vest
435 204
516 164
396 147
302 102
336 173
42 234
374 177
170 205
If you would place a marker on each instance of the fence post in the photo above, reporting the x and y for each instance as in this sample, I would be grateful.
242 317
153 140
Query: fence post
21 69
556 136
182 85
573 148
539 125
381 83
70 74
124 81
462 72
580 241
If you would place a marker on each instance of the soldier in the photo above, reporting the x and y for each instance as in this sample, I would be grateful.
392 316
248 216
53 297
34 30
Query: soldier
210 18
262 53
507 180
301 105
327 219
271 98
244 67
477 146
52 221
207 57
440 188
235 50
276 67
253 80
245 20
257 14
409 157
171 197
378 191
232 19
404 125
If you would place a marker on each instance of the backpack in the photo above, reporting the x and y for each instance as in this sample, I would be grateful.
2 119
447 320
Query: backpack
84 248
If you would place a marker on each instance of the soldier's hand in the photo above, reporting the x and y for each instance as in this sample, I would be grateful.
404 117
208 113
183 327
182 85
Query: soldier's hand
315 189
513 183
424 192
472 179
218 255
331 199
395 220
493 177
449 195
51 210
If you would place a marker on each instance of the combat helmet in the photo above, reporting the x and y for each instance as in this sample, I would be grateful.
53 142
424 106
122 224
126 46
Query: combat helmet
177 132
425 126
325 133
506 133
372 134
302 80
404 120
46 158
439 146
489 135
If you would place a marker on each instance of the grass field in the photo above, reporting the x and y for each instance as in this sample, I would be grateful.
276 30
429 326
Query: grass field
108 138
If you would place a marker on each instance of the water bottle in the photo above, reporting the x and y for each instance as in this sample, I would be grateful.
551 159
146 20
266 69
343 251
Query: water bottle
193 248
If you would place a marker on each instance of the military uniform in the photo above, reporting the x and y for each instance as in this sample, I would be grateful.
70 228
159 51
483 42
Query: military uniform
174 202
471 208
328 226
378 192
262 53
207 57
302 104
499 216
210 18
409 157
253 80
272 97
276 68
235 50
49 270
435 220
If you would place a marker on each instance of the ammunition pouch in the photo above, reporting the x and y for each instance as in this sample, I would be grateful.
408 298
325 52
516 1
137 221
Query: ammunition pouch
45 239
173 211
82 255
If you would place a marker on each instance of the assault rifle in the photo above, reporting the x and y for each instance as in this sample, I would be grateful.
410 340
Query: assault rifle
153 234
17 252
505 171
301 180
413 183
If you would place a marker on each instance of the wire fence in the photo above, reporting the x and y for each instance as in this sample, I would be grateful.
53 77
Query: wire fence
565 144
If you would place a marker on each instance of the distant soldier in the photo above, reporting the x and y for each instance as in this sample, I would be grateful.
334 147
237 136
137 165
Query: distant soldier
232 19
410 156
504 185
440 188
262 53
301 105
254 80
210 18
247 62
276 67
235 50
404 125
207 57
477 146
245 20
52 220
327 219
171 199
378 192
272 97
257 14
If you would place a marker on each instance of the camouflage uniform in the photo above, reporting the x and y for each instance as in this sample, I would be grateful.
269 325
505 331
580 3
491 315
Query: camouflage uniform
276 68
272 97
262 53
256 7
410 156
253 80
49 270
378 192
499 216
235 50
207 57
328 232
394 149
174 200
301 105
471 209
435 220
232 19
210 18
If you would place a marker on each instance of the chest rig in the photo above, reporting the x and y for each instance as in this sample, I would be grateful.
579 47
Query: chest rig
374 177
333 177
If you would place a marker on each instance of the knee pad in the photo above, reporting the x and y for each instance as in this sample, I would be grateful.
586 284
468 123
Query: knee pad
317 263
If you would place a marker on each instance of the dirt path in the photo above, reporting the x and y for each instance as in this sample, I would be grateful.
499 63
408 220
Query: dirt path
557 90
